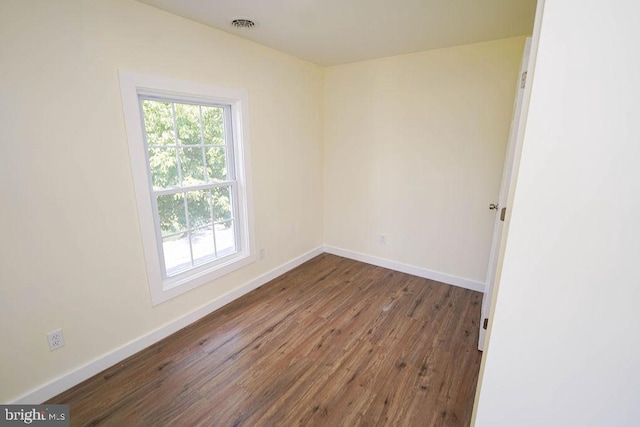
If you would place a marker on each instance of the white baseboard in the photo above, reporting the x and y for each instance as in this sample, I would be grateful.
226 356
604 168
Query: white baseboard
409 269
72 378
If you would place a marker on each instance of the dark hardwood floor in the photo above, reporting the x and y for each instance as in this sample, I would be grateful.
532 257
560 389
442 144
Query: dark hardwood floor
333 342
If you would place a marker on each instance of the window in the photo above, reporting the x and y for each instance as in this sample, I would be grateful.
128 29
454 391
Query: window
188 150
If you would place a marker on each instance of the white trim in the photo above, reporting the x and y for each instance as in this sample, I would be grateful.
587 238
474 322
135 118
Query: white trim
509 174
409 269
133 85
72 378
76 376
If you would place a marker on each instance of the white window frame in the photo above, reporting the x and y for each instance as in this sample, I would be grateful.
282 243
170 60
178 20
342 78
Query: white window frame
132 86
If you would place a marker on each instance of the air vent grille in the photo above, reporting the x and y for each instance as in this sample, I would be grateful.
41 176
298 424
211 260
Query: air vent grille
243 23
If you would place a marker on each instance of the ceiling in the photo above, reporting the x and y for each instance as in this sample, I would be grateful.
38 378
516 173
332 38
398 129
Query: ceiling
331 32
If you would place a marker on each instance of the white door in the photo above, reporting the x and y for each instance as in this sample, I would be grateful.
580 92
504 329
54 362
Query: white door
513 150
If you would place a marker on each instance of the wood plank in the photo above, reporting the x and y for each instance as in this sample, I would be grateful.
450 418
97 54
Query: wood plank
333 342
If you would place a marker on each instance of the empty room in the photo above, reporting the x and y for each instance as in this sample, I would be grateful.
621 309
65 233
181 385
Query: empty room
336 213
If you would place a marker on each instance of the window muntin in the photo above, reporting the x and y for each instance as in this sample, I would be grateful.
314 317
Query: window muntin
224 174
193 185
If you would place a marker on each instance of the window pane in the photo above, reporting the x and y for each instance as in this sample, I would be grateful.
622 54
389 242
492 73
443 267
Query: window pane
188 124
192 166
225 238
171 213
199 204
202 243
164 170
216 163
177 256
221 203
158 122
213 123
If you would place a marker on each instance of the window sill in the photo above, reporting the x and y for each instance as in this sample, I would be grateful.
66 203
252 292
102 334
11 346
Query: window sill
172 288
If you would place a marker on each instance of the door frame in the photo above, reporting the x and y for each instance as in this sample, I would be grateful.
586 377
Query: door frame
509 174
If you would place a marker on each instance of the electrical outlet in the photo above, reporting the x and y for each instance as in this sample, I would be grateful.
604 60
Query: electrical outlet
383 239
262 253
55 339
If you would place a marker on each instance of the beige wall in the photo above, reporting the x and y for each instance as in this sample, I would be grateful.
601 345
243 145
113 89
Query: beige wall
414 150
70 252
564 344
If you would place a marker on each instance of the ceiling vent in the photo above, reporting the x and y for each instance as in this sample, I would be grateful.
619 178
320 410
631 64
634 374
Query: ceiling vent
243 23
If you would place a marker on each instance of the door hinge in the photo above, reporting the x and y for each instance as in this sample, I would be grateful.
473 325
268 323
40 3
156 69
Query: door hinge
523 80
503 212
485 324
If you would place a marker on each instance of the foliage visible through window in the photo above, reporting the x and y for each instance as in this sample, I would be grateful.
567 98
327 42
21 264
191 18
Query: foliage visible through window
193 185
